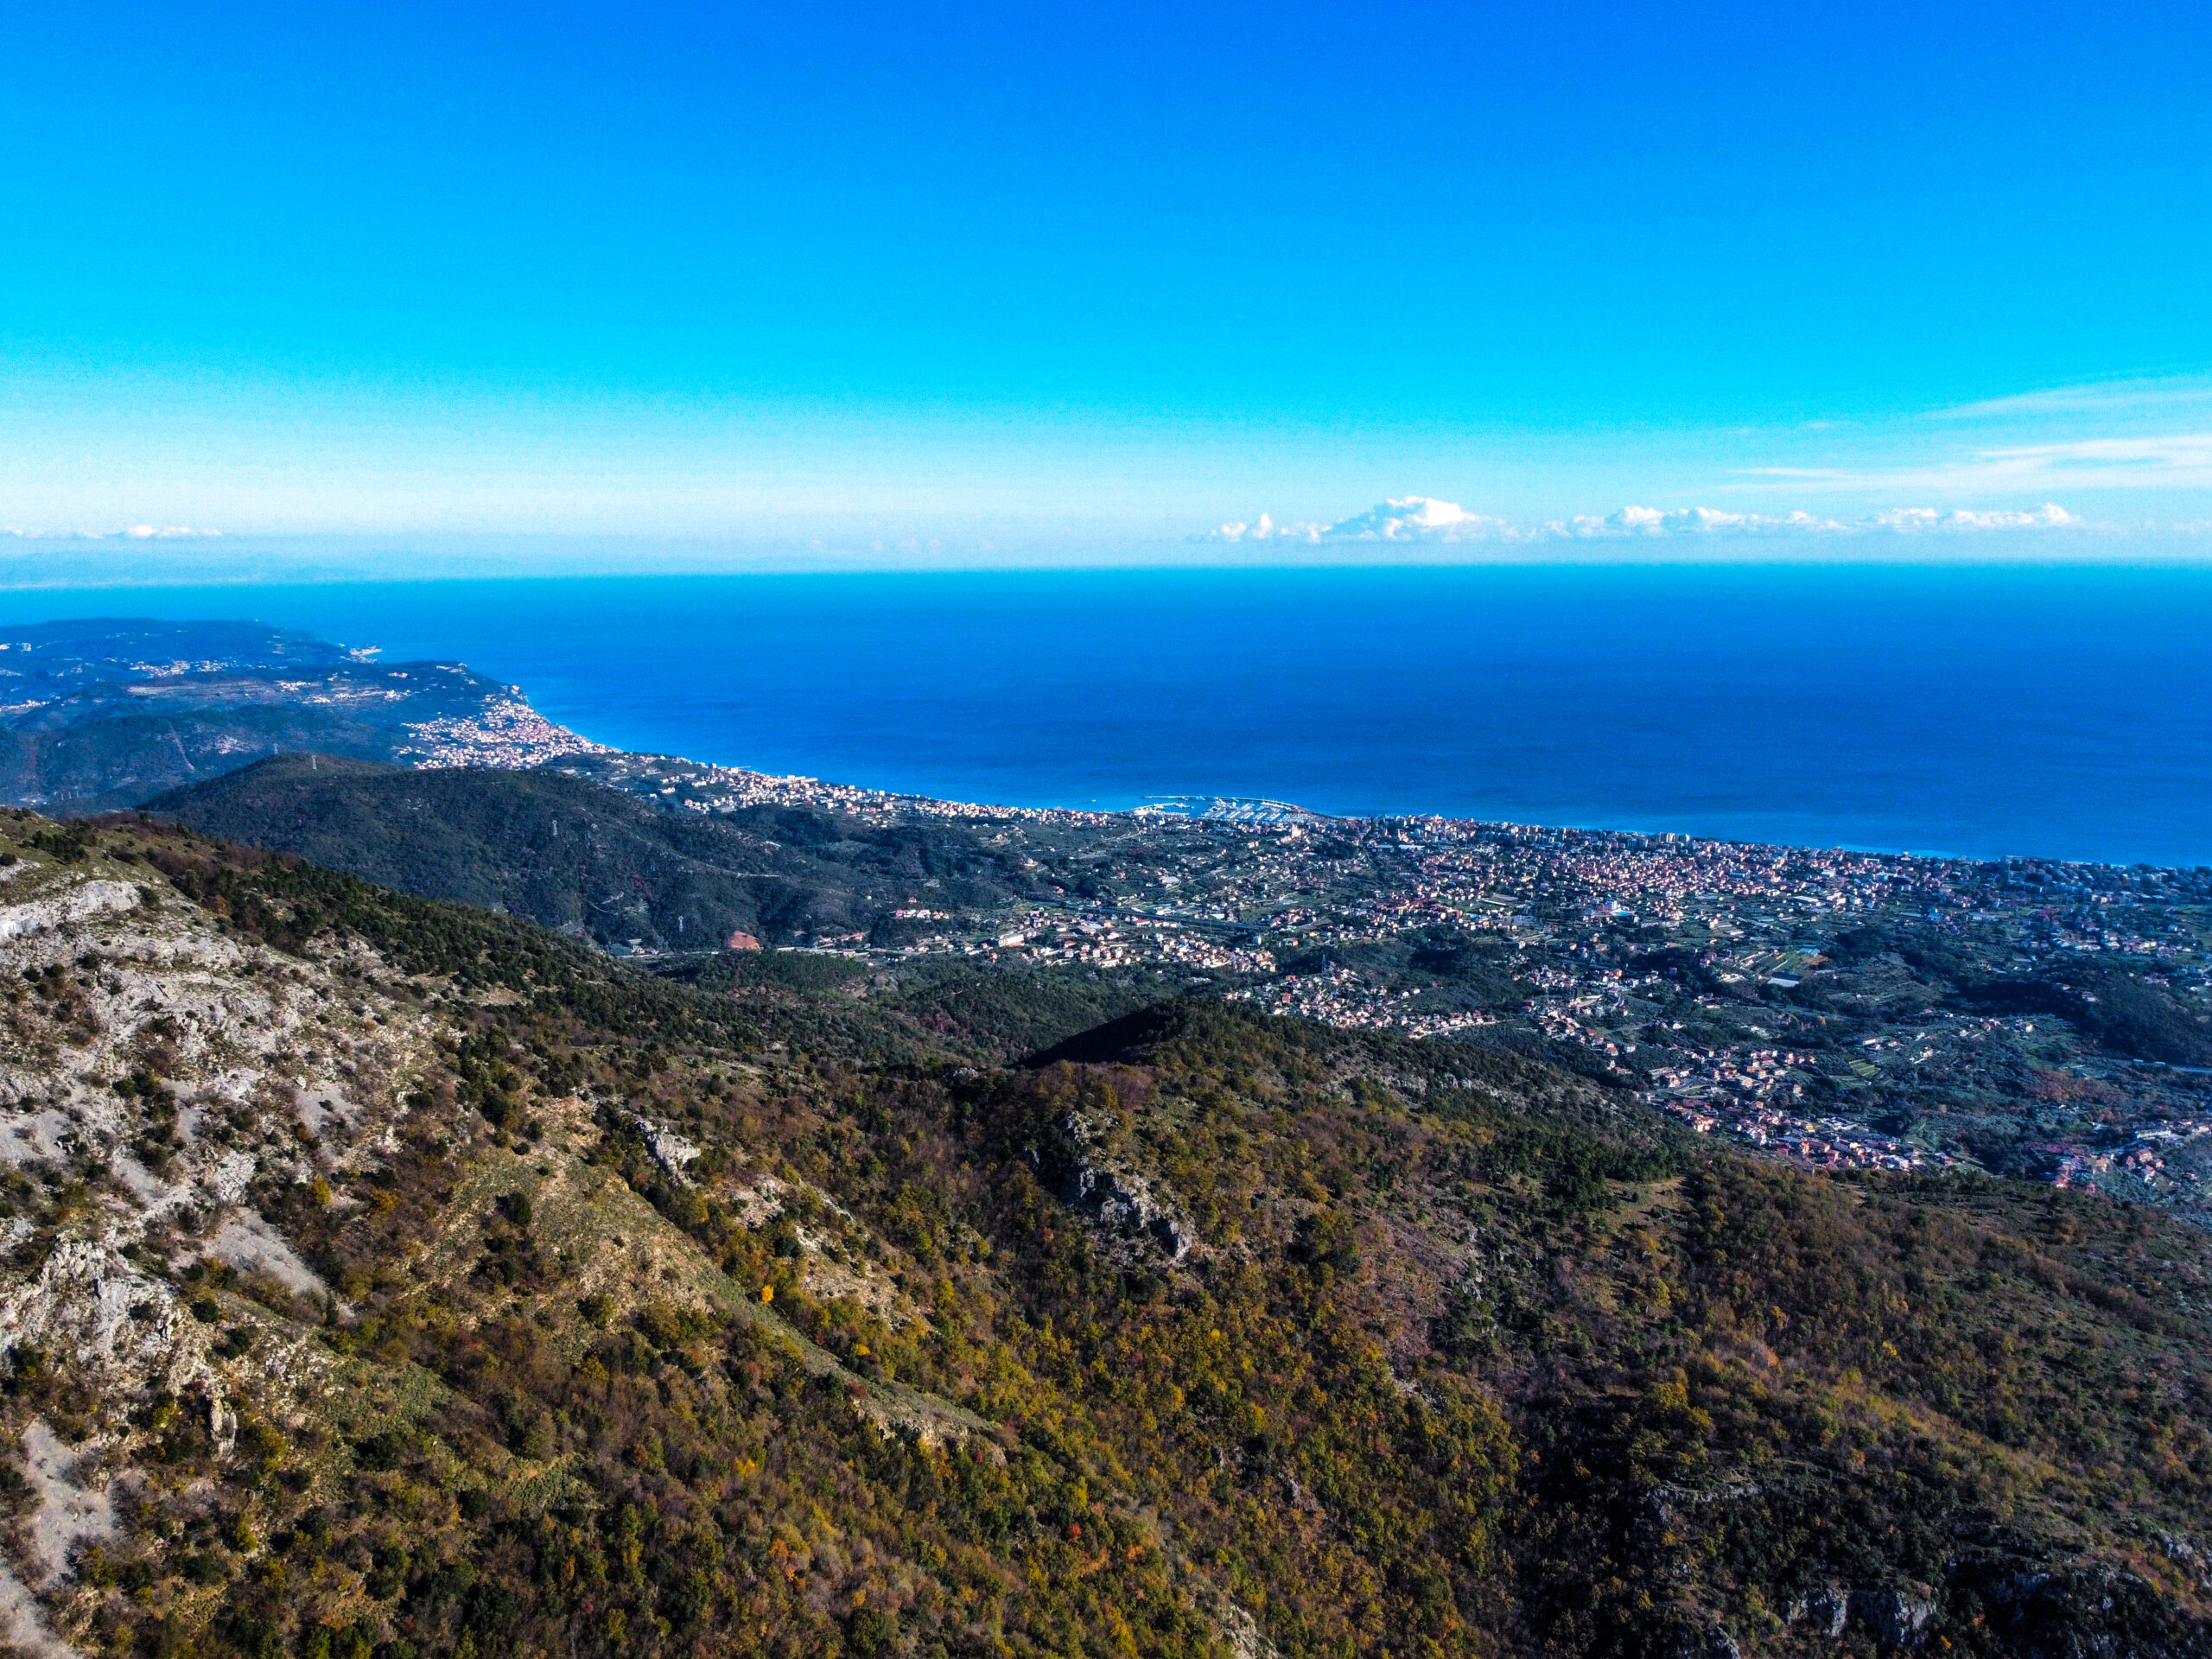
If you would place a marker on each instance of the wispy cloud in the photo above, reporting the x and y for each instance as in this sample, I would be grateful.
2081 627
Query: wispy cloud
1422 519
2174 458
2099 398
2167 460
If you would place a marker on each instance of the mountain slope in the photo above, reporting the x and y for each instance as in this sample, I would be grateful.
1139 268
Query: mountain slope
393 1278
590 861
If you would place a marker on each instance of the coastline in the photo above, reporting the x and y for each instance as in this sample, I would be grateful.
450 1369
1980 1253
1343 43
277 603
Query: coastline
1966 713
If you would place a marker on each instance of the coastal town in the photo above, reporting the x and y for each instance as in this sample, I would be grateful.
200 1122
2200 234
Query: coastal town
2032 1018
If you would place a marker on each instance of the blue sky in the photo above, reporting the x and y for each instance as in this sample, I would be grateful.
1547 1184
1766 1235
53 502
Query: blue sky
1073 277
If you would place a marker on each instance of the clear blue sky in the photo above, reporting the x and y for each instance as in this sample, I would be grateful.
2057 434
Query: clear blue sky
1064 270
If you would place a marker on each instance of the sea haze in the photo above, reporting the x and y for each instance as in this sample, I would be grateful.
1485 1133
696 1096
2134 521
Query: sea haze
2063 712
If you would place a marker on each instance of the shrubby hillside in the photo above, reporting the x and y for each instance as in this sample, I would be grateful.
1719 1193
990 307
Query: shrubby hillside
391 1278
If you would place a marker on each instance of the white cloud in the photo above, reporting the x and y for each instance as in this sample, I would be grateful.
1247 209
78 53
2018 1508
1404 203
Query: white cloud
1644 522
2050 516
1402 518
1423 519
136 532
1416 518
1263 529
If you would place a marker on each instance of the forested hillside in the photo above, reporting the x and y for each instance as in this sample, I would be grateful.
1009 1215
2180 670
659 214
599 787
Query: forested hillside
395 1279
591 861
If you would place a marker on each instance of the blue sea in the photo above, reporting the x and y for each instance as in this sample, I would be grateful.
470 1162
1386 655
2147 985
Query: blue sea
2063 712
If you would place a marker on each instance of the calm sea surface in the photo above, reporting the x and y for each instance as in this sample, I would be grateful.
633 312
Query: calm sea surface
2065 712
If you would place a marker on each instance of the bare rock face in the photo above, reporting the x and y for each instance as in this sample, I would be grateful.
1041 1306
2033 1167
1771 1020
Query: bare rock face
2186 1555
161 1079
2036 1612
2065 1612
1127 1202
1825 1612
1895 1619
